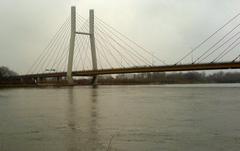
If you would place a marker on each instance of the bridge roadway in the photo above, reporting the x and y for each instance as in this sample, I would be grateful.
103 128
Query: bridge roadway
144 69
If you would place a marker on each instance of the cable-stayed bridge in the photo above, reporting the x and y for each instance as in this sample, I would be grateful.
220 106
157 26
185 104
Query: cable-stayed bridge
91 47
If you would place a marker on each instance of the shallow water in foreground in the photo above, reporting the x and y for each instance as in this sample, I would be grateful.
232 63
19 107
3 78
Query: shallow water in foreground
132 118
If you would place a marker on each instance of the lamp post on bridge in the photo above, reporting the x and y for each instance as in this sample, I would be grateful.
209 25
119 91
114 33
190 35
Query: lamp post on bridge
72 44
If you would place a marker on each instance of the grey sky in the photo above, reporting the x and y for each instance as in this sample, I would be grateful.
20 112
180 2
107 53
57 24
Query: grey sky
167 27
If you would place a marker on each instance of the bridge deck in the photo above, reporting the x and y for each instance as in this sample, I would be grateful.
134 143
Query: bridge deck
168 68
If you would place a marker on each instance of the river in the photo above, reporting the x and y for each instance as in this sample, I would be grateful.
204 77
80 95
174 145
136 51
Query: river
121 118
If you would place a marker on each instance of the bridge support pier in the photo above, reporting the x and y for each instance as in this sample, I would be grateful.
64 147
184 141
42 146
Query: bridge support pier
35 80
72 45
94 81
21 80
92 43
58 79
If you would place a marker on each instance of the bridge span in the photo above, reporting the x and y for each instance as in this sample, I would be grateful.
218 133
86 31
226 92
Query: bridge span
167 68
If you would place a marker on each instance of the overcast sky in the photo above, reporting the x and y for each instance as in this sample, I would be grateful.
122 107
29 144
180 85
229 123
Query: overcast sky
169 28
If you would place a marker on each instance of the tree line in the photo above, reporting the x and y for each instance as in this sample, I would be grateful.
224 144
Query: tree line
174 78
157 78
6 72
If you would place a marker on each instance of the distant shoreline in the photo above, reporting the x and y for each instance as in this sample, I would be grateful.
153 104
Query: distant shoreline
133 79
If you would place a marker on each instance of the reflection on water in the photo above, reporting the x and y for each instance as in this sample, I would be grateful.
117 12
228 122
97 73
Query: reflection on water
176 117
92 142
71 117
93 124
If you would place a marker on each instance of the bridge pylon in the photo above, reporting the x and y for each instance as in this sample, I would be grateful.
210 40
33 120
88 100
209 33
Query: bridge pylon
92 41
72 44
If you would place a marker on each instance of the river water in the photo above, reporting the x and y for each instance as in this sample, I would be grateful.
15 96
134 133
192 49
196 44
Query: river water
121 118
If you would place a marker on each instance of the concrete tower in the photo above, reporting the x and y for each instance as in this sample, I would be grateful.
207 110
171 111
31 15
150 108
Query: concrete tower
72 45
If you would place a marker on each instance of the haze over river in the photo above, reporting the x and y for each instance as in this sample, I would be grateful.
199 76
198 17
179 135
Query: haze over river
125 118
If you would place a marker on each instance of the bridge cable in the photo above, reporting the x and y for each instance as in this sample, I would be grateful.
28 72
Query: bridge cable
63 57
227 50
82 18
111 45
107 35
61 61
99 59
80 42
86 51
44 51
62 47
114 48
122 46
204 41
138 56
139 46
104 53
81 49
65 60
85 54
110 52
216 43
223 44
40 58
234 60
44 59
53 52
119 45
